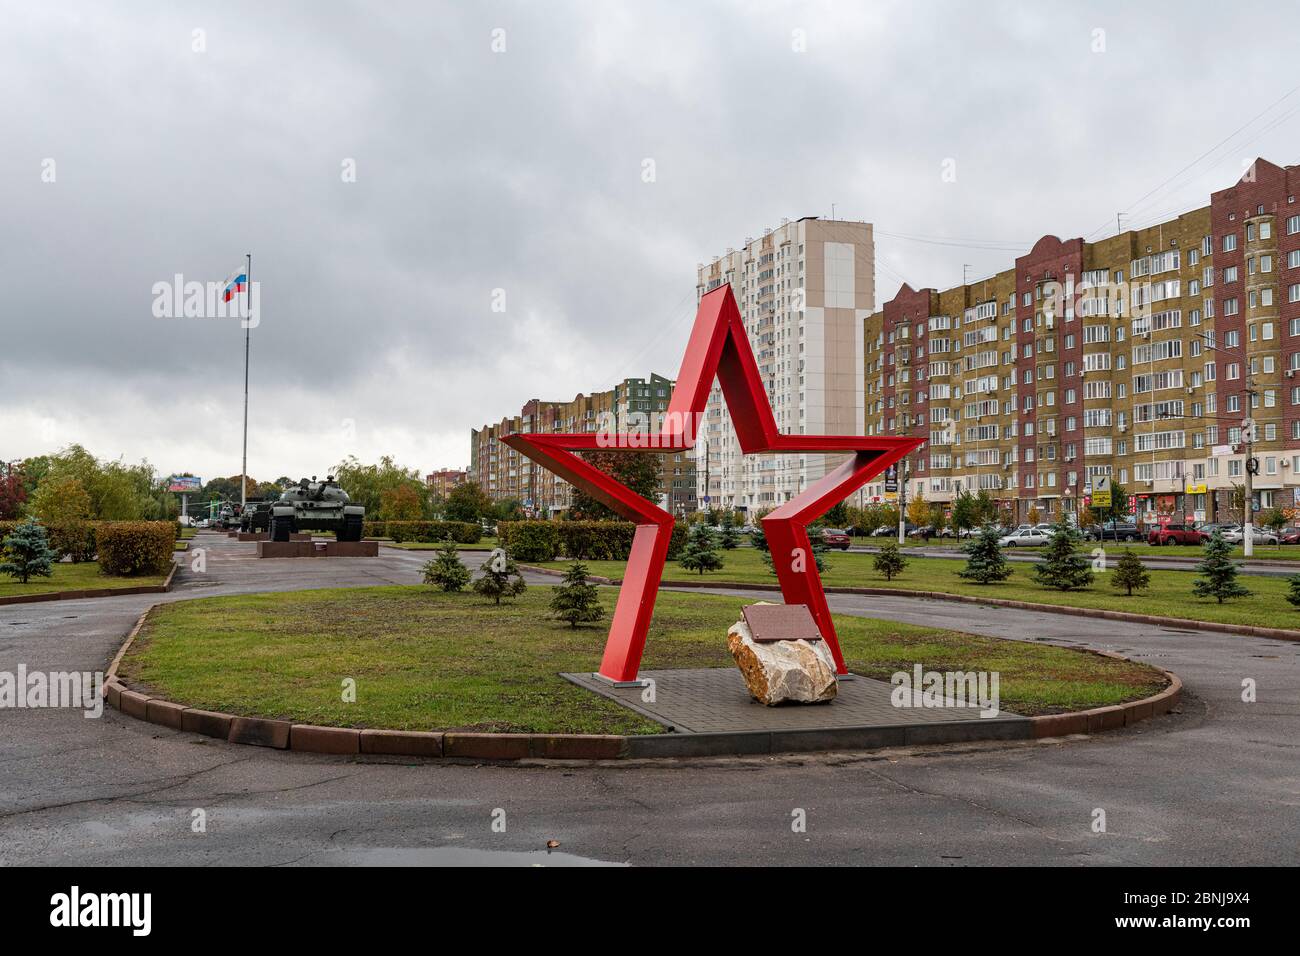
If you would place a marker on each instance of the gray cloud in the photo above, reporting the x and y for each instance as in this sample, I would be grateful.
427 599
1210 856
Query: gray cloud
522 171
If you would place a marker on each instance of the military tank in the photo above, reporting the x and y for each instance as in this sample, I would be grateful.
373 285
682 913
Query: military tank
316 506
256 515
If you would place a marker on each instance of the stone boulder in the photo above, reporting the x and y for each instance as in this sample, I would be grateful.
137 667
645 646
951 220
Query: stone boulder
780 671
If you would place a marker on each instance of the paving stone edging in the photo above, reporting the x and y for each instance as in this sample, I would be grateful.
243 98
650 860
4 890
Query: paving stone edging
94 592
1279 633
308 738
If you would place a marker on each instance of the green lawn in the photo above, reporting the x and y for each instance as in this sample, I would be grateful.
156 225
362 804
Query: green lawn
486 543
1170 592
74 577
425 660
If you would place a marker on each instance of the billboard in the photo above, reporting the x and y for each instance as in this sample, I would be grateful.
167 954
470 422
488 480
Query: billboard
185 484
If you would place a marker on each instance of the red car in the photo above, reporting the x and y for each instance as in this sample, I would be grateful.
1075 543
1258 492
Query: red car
834 538
1177 534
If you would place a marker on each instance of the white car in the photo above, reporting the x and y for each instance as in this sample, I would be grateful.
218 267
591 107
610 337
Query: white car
1026 538
1257 536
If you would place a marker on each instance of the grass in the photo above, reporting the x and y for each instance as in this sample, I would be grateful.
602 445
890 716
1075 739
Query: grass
426 660
1170 592
486 543
74 577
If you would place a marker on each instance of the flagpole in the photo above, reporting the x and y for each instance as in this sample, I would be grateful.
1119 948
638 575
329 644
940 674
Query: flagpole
243 478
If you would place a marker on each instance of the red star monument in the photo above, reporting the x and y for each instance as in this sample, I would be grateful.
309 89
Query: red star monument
719 348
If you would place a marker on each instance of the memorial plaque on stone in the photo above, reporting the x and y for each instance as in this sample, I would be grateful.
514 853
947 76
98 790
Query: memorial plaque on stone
781 622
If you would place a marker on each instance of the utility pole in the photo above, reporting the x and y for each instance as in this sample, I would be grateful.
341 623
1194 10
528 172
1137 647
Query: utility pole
1248 504
708 496
902 498
248 323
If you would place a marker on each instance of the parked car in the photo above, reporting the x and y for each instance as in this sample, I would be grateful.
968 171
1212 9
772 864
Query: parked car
1257 536
836 538
1113 531
1027 538
1177 534
1291 535
1222 528
888 530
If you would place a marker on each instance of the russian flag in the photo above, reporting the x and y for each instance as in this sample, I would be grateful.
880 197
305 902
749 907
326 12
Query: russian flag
235 283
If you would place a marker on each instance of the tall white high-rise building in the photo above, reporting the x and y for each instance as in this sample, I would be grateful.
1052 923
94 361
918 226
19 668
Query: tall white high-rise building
804 290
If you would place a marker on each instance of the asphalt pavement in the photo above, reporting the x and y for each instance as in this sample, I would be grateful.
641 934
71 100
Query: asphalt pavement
1217 783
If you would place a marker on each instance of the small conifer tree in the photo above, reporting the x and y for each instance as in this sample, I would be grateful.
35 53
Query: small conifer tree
889 561
985 562
1220 572
501 577
27 553
1063 567
1130 573
446 570
576 600
700 553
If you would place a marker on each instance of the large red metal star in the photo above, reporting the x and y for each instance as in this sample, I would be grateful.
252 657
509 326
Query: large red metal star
719 348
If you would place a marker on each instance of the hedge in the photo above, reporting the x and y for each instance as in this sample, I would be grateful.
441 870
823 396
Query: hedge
76 540
578 540
128 548
462 532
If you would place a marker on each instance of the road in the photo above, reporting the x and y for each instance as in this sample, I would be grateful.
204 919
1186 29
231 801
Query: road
1218 783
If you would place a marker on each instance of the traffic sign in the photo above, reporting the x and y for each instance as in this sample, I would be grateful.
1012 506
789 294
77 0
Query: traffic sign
1101 493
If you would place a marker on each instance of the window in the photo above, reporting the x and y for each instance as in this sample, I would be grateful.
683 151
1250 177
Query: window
1229 242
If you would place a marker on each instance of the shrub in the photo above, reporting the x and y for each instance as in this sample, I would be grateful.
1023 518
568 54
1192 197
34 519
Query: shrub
374 529
578 540
73 539
462 532
128 548
531 540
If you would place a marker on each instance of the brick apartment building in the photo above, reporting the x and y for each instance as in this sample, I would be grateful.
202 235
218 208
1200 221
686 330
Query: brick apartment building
1143 358
443 480
634 404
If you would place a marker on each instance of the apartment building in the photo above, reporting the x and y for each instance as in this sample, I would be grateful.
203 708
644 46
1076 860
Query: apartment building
635 404
805 290
442 481
1151 358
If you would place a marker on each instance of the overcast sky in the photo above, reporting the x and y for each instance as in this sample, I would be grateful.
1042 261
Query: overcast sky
522 170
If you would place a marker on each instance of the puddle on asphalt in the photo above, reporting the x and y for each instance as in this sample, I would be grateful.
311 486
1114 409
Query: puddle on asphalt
450 856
